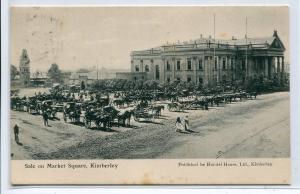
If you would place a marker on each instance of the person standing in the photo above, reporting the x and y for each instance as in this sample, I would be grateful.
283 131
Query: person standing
16 132
45 117
186 123
178 125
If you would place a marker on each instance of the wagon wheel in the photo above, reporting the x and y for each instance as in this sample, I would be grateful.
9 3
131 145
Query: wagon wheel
98 124
136 118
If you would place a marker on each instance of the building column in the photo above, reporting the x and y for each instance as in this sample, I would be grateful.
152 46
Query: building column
273 66
278 65
173 69
282 65
282 71
163 70
204 66
266 67
218 70
194 66
256 66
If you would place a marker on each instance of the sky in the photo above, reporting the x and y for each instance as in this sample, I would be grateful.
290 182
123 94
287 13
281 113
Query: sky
84 37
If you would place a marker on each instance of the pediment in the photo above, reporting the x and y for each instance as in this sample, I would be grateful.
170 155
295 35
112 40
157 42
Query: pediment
277 44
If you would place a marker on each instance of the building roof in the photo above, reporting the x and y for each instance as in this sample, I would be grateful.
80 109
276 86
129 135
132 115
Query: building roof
202 43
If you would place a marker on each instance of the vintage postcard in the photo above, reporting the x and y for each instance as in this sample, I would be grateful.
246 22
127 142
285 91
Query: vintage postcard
150 95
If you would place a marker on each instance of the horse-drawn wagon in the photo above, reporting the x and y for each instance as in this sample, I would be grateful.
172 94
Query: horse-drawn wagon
72 111
175 106
47 107
98 116
143 114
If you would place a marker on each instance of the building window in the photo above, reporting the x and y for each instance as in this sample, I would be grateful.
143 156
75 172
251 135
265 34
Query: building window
224 63
168 79
216 64
224 78
200 64
131 61
157 72
135 79
178 65
231 63
200 80
178 79
151 60
189 79
189 63
243 65
168 66
137 68
146 68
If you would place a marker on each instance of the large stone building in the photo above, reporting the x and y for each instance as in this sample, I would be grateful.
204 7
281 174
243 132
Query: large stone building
208 61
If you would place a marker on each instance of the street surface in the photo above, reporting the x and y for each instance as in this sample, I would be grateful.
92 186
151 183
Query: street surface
248 129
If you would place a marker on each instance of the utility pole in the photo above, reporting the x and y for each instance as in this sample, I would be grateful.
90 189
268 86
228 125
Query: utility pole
246 36
214 60
97 72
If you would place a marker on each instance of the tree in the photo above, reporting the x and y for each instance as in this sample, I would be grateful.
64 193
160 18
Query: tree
13 72
55 73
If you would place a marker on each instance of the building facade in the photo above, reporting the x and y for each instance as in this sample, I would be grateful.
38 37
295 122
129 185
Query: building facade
210 62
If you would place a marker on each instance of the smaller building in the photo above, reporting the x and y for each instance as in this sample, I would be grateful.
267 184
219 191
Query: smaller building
39 79
88 78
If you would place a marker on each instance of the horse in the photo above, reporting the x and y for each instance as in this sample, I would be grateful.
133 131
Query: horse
123 116
157 109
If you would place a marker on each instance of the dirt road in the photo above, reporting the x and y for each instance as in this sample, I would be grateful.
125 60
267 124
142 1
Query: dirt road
253 128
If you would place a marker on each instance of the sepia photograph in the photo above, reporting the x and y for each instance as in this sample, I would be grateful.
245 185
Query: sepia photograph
150 84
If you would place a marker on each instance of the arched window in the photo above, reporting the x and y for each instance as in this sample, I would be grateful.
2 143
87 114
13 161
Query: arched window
224 63
178 65
168 66
224 79
137 68
216 63
200 80
146 68
189 64
200 64
157 72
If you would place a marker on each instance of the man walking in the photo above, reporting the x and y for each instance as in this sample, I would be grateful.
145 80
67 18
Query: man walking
16 132
45 117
